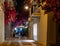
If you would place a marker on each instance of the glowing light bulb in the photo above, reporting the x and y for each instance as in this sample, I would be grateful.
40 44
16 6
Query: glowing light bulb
26 7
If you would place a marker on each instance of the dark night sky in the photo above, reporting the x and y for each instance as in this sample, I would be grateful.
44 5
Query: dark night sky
19 5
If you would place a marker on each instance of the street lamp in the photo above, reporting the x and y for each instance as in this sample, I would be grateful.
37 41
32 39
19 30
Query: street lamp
26 7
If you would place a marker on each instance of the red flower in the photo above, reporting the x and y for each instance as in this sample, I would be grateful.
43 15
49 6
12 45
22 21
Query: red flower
12 14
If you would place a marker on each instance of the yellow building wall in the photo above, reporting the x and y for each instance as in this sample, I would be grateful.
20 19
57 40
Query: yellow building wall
42 32
47 29
51 29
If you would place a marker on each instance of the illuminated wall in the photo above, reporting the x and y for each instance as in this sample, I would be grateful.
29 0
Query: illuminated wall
1 24
42 33
46 29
